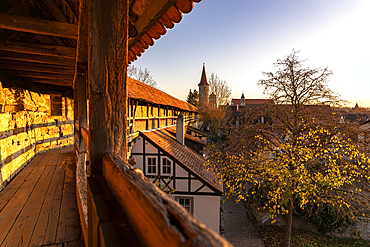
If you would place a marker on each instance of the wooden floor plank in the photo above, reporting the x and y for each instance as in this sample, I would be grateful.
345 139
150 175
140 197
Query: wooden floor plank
49 210
40 207
8 192
52 226
68 227
15 205
21 232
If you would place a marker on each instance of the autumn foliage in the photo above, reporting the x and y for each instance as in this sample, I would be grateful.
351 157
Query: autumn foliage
304 157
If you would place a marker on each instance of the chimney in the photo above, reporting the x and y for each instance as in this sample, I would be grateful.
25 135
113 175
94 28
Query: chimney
180 129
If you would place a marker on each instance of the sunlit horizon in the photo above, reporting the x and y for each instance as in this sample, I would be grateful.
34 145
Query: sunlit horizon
240 39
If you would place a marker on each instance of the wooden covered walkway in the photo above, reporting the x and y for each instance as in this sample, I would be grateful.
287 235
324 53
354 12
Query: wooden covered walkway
38 207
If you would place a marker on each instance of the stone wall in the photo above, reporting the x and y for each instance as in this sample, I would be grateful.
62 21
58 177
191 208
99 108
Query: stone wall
30 123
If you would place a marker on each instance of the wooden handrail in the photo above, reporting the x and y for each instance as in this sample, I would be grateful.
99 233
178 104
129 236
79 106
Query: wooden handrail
77 124
156 218
85 135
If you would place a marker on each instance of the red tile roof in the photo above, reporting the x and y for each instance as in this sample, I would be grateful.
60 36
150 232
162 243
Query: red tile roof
172 130
194 162
141 91
166 20
252 101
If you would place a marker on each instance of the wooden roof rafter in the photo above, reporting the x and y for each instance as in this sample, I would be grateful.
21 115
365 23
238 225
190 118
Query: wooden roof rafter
149 21
46 32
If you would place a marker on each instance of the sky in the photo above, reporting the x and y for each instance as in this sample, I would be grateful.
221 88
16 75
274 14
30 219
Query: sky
238 39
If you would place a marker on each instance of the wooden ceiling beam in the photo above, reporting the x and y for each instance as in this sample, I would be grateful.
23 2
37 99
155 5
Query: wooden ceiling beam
22 10
73 7
38 26
45 81
150 16
15 56
37 49
36 67
38 75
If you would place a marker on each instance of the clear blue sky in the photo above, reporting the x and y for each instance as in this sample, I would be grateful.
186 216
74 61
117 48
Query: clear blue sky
238 39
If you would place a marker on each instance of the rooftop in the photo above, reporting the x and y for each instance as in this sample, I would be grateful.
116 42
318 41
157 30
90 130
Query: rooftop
194 162
141 91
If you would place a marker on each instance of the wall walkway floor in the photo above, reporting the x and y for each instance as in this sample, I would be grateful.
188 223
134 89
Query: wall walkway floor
38 207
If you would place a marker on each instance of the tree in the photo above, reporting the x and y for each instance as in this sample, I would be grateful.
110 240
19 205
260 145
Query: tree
193 98
214 119
142 75
306 158
220 88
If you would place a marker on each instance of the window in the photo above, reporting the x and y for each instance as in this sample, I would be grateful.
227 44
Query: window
166 167
186 202
151 168
56 105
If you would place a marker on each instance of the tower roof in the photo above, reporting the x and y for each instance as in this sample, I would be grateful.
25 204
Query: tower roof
203 79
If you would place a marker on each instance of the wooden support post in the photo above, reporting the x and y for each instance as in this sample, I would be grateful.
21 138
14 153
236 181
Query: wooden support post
82 107
108 59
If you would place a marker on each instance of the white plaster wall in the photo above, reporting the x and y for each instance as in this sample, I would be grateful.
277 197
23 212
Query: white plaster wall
180 172
206 189
139 161
207 210
150 149
138 145
182 185
195 184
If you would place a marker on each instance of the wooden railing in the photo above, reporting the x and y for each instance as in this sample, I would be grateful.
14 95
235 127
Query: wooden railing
125 208
155 218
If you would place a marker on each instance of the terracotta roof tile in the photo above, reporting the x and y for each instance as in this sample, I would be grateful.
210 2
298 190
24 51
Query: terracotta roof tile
167 20
252 101
144 92
172 130
186 156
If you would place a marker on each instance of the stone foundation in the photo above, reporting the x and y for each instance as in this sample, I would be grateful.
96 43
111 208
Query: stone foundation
30 123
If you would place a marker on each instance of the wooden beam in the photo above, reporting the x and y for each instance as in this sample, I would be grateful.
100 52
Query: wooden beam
55 10
37 67
37 49
39 75
22 10
14 56
73 7
150 16
108 60
83 31
54 82
38 26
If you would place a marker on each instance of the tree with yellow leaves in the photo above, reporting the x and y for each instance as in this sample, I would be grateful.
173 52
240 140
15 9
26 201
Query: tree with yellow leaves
304 156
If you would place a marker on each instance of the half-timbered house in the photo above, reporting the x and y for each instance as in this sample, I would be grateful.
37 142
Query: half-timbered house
177 169
150 108
82 48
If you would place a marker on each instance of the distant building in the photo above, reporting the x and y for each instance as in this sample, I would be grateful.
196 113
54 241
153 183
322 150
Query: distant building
203 87
249 102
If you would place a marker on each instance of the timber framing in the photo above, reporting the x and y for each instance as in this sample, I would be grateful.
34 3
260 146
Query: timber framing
192 175
33 25
84 47
37 49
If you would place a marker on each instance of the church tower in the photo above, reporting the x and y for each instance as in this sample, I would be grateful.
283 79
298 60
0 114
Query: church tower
203 87
242 100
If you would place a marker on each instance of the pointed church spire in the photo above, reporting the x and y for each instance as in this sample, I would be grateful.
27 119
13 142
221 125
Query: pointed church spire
203 79
203 87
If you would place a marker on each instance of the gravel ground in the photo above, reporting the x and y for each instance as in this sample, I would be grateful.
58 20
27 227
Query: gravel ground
236 227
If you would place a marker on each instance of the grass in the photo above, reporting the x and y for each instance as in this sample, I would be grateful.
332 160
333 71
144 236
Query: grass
301 238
